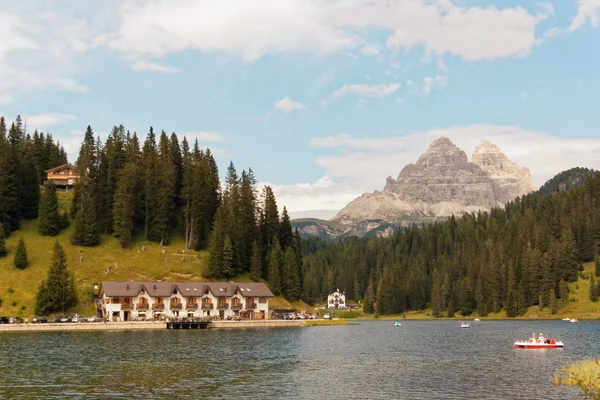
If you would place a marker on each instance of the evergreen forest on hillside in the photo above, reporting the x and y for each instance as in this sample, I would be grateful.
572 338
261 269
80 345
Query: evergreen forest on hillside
153 190
510 258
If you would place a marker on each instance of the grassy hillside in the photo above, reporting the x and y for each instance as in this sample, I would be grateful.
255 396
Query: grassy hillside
144 261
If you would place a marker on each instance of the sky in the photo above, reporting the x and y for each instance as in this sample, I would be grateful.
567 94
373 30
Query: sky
323 99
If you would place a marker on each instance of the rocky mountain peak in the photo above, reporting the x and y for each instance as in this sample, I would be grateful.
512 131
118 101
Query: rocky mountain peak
441 183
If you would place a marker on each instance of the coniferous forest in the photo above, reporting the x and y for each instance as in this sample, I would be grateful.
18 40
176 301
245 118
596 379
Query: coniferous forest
153 190
510 258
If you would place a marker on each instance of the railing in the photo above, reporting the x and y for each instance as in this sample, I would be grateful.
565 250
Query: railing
191 306
237 306
207 306
126 307
250 306
160 306
223 306
142 306
176 306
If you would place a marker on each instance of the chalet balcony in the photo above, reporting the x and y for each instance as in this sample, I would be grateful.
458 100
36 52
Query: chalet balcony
207 306
237 306
191 306
141 306
176 306
250 306
126 307
223 306
158 307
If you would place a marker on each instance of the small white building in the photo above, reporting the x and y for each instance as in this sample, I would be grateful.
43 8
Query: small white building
125 301
336 299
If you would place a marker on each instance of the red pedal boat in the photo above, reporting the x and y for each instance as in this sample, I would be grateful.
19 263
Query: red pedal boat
540 342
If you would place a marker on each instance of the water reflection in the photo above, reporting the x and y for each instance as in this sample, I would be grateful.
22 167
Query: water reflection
375 360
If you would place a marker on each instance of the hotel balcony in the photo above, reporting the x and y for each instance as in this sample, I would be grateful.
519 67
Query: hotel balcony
176 306
223 306
191 306
250 306
236 306
207 306
141 306
158 307
126 307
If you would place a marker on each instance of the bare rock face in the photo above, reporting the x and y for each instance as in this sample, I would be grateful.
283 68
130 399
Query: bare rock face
510 180
442 183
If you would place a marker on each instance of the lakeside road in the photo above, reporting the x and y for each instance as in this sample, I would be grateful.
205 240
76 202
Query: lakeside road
143 326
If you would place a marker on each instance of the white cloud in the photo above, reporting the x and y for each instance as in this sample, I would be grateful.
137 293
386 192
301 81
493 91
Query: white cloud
252 30
366 90
587 10
203 136
370 49
245 29
430 83
361 164
38 49
547 8
144 65
445 27
288 105
43 122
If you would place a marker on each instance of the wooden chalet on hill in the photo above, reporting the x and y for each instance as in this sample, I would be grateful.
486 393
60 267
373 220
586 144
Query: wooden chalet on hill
64 176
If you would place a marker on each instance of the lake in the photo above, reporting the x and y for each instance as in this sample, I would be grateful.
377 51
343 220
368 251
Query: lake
365 360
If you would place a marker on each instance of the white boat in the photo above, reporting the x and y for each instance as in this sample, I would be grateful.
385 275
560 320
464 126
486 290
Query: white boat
573 320
396 323
465 325
540 342
477 320
567 319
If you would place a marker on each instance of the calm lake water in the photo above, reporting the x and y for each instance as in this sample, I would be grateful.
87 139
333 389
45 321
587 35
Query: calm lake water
366 360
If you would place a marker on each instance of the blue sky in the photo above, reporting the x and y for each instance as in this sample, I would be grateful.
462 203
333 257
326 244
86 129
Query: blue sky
323 99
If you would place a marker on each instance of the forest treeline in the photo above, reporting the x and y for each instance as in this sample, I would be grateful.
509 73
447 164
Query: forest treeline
154 190
23 161
510 258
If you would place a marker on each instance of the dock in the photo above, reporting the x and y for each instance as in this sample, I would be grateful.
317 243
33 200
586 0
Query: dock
188 325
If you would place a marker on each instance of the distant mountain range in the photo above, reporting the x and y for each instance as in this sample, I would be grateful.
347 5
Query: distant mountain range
441 183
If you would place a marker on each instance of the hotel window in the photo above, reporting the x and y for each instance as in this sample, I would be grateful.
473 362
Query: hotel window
263 300
206 300
126 300
115 300
159 300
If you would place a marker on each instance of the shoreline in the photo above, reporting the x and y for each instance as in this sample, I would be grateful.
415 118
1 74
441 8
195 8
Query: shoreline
142 326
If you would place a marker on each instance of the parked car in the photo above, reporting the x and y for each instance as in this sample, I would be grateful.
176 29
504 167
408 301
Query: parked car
78 318
290 316
3 320
65 318
39 320
94 318
15 320
327 316
313 316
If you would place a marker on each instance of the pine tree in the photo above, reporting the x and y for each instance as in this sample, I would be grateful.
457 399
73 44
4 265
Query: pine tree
165 196
275 263
86 232
597 267
21 261
369 298
286 235
30 182
297 244
290 282
50 223
150 178
124 204
255 263
227 269
3 251
57 292
215 248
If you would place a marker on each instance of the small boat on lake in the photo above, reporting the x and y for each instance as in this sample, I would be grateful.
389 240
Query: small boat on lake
540 342
396 323
465 325
573 320
567 319
477 320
